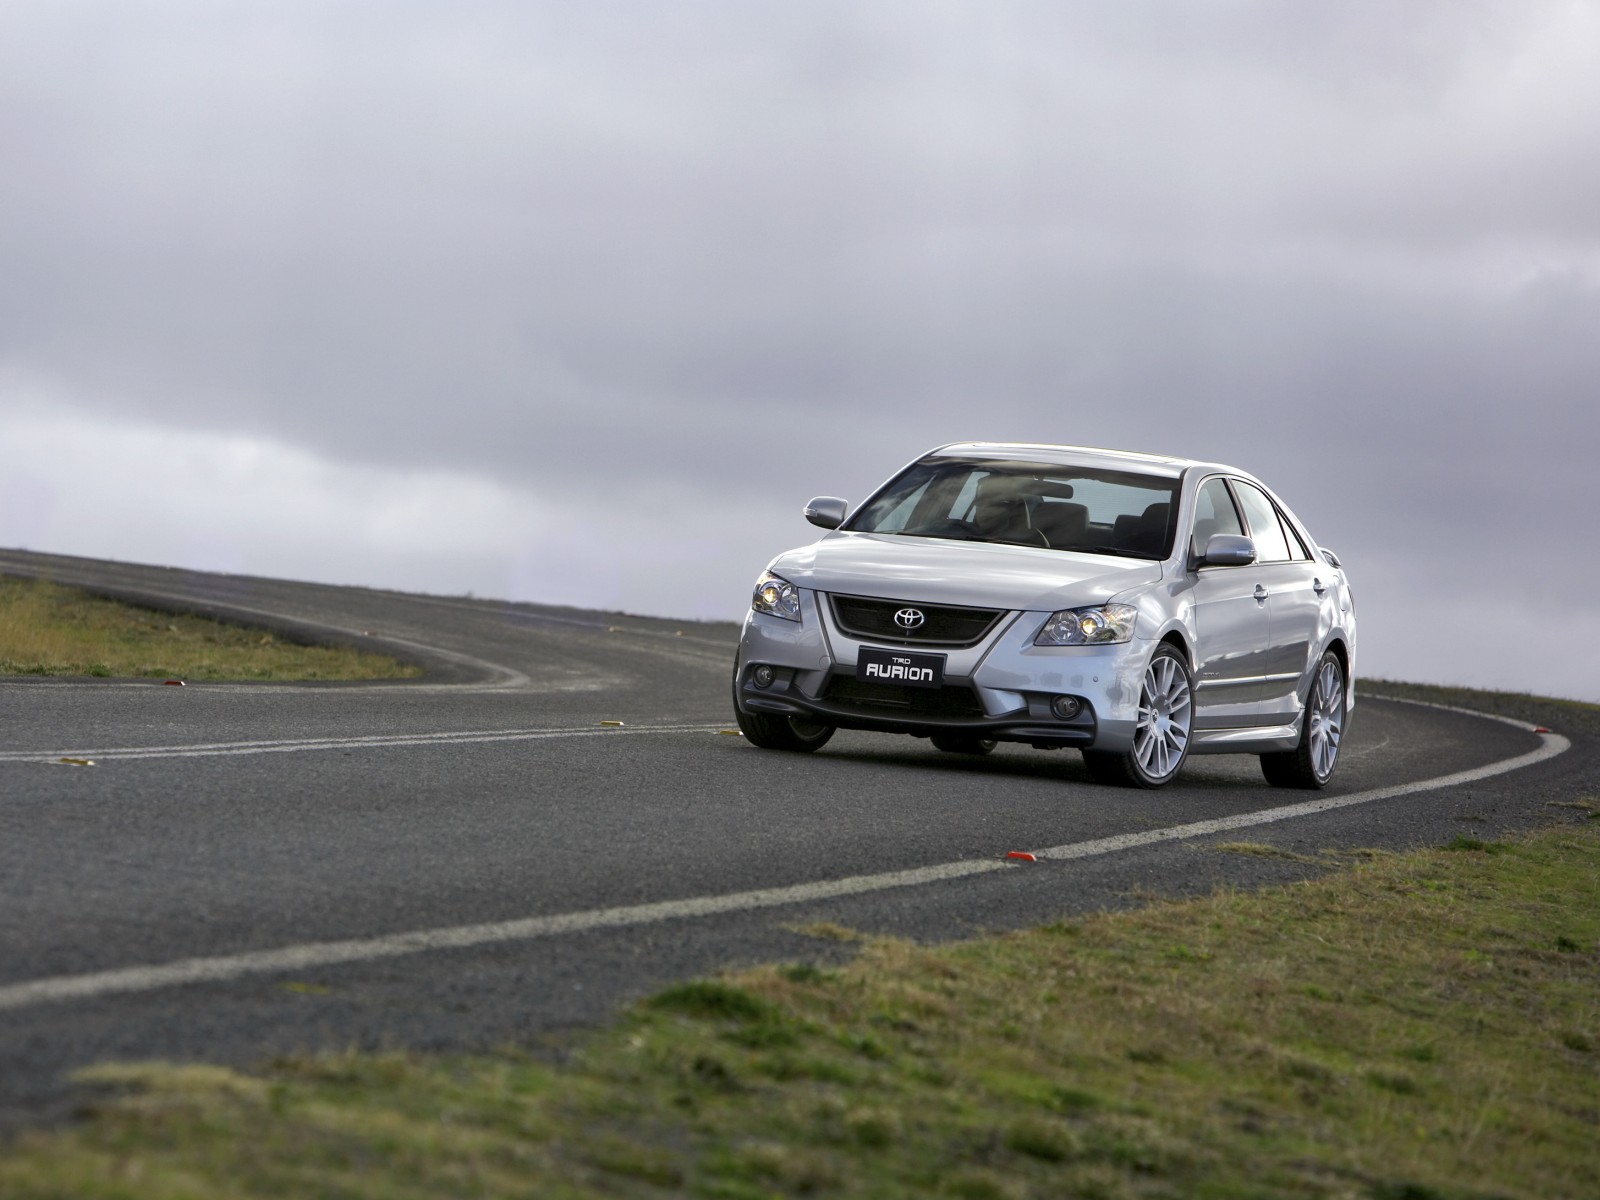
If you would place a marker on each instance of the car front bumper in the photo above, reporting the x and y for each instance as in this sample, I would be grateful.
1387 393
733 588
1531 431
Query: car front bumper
1001 688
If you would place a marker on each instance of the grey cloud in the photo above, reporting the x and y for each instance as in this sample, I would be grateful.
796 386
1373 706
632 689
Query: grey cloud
616 251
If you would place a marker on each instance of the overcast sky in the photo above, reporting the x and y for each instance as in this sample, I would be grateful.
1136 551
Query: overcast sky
580 303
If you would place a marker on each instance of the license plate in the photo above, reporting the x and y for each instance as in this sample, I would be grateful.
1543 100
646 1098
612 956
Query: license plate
898 667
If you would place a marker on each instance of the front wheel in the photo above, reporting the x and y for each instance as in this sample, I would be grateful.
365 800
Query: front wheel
771 731
1161 733
1310 764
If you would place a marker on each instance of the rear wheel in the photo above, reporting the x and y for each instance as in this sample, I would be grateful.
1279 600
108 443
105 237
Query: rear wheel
1161 734
962 743
772 731
1311 763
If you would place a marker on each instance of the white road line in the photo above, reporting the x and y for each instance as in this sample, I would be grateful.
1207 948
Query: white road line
225 968
1552 745
322 954
361 742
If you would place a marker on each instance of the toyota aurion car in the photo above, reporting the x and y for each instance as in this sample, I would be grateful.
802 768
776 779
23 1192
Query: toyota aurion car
1137 608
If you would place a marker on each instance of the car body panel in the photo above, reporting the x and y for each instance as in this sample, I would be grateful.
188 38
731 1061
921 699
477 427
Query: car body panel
1231 650
1299 623
974 574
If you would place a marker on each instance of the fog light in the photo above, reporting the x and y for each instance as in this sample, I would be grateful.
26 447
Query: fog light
762 675
1066 707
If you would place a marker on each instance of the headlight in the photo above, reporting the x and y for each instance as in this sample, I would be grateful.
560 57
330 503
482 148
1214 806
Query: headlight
1102 625
776 596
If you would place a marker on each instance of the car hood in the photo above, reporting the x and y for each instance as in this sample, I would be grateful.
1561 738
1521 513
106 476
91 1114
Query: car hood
981 574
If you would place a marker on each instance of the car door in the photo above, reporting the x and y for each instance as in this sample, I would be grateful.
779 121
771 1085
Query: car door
1295 592
1231 622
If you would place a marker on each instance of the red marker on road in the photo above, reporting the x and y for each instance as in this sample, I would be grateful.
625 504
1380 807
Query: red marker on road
1023 855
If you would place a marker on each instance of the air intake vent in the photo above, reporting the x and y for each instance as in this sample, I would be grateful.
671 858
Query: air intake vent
880 699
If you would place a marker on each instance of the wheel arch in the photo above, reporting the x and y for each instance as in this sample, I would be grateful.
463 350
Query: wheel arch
1176 638
1341 651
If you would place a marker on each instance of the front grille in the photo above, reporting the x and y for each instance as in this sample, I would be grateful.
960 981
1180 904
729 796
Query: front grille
942 624
887 699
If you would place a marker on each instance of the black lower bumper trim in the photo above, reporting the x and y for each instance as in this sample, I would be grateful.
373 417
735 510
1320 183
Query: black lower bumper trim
1021 726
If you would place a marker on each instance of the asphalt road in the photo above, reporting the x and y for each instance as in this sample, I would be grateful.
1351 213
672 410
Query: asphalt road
475 858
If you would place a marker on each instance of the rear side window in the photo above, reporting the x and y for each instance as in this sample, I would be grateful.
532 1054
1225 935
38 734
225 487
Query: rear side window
1265 529
1297 546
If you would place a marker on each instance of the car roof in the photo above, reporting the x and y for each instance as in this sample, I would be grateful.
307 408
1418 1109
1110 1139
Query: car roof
1078 456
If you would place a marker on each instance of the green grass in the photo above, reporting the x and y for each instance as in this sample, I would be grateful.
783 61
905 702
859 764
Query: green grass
1421 1026
50 630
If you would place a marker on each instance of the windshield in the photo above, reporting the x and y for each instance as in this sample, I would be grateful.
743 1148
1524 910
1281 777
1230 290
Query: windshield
1085 509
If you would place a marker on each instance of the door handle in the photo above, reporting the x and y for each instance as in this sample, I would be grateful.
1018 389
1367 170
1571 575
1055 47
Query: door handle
1318 586
1261 592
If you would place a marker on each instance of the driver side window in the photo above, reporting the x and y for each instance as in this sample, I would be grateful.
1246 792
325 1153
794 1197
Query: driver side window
1271 545
1214 513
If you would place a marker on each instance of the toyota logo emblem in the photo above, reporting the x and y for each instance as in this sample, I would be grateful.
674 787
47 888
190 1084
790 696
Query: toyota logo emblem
909 618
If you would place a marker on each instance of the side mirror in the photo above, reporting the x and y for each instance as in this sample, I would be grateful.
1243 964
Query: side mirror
1228 550
827 511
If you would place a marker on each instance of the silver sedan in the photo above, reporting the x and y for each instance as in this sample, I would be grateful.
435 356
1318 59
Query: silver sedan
1138 608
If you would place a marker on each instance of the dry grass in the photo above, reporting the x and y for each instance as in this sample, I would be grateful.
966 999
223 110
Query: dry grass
50 630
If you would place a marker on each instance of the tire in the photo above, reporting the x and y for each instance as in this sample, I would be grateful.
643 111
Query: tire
1161 735
771 731
1310 764
962 743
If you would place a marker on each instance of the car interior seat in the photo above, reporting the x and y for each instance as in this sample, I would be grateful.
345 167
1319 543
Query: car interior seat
1142 534
1064 525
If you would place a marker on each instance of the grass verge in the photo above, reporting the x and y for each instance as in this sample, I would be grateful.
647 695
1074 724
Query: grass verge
1419 1026
46 629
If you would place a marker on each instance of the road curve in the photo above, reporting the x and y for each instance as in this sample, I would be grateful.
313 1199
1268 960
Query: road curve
475 857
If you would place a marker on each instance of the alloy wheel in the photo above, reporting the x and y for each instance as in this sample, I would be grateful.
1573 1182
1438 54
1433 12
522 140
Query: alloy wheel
1161 735
1327 719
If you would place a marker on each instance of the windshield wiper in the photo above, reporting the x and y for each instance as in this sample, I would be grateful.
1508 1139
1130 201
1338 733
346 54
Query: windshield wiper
1119 552
1116 552
948 536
